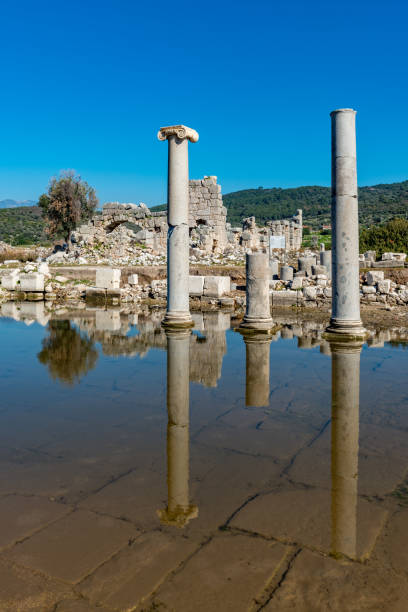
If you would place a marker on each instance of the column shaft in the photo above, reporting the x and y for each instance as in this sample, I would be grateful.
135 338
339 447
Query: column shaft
258 311
345 237
344 448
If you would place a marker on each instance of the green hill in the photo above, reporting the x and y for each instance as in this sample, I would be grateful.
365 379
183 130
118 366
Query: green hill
376 204
22 225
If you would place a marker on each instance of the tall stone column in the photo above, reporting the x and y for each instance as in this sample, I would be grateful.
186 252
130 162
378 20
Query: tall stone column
178 311
258 310
345 238
257 369
344 448
179 511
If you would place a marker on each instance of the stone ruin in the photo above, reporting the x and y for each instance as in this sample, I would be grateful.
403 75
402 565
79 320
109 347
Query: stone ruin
119 224
207 221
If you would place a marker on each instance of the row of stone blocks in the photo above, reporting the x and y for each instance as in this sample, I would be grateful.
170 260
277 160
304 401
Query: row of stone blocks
210 286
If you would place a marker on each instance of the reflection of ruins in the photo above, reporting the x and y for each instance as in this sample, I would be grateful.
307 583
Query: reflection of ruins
179 511
208 348
257 346
344 448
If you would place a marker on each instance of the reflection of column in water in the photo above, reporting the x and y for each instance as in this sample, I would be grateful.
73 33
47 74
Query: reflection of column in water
257 369
179 511
344 464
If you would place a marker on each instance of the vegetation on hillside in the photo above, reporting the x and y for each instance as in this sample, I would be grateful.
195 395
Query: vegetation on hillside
388 237
24 225
377 204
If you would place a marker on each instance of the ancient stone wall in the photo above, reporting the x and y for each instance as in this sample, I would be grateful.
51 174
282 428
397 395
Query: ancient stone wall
207 221
292 229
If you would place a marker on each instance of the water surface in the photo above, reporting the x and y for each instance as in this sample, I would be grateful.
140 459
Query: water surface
203 471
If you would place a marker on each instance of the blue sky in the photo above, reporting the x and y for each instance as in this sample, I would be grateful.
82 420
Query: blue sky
86 85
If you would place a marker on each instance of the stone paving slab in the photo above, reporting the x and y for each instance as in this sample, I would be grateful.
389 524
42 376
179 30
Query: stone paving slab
382 461
20 516
131 576
74 546
304 517
316 583
392 546
135 497
227 574
251 432
22 590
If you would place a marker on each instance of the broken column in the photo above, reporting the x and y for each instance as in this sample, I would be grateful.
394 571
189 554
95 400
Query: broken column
257 369
345 317
178 312
179 511
258 310
344 446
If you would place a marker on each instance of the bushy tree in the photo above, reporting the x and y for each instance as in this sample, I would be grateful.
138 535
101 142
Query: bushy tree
68 202
392 236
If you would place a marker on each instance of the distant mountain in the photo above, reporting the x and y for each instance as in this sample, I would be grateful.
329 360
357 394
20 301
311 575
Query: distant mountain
16 203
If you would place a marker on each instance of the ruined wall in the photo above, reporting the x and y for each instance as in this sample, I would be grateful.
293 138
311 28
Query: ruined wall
254 237
208 216
292 229
207 221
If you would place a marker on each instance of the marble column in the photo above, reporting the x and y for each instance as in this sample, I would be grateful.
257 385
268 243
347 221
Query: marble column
344 446
179 511
257 369
258 310
178 310
345 317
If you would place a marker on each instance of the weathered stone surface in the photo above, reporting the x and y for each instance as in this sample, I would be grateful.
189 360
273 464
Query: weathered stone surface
134 573
367 289
22 590
384 286
32 282
72 547
133 279
196 285
233 570
317 583
372 277
303 516
21 516
108 278
216 286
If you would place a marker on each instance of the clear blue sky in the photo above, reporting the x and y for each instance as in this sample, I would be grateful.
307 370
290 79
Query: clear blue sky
86 85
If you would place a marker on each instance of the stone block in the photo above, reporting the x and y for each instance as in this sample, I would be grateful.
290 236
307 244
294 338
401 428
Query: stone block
196 285
384 286
297 283
107 320
394 256
309 293
133 279
368 289
319 269
108 278
216 286
373 277
32 282
10 281
95 296
286 273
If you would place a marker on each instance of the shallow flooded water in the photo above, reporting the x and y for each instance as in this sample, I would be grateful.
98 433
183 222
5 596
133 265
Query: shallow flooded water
199 471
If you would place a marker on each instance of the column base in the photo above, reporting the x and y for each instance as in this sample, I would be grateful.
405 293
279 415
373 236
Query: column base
255 324
178 320
346 330
178 517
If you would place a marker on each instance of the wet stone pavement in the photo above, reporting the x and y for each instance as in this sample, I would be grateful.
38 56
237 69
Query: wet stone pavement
208 471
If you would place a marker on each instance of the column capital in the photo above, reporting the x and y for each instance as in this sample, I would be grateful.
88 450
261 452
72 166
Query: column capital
181 131
343 110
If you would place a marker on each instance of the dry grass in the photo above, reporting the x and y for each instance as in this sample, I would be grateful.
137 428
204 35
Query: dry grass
20 254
